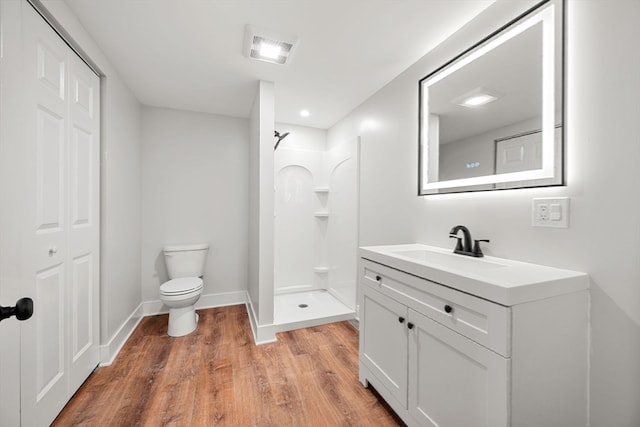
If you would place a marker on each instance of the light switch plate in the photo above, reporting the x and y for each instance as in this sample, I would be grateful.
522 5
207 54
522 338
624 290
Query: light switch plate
550 212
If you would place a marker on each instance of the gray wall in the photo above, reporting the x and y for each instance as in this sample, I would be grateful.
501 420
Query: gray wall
194 190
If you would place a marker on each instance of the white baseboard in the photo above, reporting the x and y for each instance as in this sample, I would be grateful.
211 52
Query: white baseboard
109 351
222 299
262 334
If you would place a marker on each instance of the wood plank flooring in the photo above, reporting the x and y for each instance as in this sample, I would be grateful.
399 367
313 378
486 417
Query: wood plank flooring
218 377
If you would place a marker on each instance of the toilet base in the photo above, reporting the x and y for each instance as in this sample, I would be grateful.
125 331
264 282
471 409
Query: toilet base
182 321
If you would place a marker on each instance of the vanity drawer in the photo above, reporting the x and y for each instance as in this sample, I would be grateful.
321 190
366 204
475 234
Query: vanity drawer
485 322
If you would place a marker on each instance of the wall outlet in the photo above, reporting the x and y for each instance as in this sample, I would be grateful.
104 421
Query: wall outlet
553 212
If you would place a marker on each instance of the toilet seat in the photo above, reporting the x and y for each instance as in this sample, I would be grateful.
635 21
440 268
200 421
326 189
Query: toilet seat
181 286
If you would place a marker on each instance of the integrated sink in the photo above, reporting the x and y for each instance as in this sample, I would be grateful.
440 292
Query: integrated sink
449 260
501 280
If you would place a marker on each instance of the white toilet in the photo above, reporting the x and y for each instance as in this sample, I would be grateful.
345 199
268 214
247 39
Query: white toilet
185 265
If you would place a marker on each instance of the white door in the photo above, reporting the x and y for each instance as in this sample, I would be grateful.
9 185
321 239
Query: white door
10 199
523 153
519 154
453 381
83 142
60 152
44 249
383 343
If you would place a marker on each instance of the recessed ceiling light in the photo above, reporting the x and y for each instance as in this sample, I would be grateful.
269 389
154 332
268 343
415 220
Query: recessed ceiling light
265 45
304 113
476 98
269 50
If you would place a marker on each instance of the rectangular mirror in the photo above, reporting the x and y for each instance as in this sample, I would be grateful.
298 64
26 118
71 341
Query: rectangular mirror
492 117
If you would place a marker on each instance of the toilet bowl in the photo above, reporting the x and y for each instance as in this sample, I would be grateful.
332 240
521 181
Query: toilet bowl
185 266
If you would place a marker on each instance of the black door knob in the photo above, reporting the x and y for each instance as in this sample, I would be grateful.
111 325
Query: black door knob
401 319
448 308
378 278
22 310
410 325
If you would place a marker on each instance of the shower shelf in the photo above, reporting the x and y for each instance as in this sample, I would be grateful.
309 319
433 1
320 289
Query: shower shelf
321 270
321 214
321 189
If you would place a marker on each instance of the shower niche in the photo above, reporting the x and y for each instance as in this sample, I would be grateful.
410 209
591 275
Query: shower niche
315 232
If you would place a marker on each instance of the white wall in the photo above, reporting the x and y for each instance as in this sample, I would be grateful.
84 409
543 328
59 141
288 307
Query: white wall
603 151
120 184
302 137
195 189
604 40
261 227
120 202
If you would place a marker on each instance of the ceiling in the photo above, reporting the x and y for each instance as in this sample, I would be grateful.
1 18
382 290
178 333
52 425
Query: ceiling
511 71
188 54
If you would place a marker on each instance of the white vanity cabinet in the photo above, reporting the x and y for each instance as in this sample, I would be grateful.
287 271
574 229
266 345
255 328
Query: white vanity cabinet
383 344
446 358
452 380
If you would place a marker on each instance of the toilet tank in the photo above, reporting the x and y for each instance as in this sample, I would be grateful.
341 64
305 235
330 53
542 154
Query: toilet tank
185 260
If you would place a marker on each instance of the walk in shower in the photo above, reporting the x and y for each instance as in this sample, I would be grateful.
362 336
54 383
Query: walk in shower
315 233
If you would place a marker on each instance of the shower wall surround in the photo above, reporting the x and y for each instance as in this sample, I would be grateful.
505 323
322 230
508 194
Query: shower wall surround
315 215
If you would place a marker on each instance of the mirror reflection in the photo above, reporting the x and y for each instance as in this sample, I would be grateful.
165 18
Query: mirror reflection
492 119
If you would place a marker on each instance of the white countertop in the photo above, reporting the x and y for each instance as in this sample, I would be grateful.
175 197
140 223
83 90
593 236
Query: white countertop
503 281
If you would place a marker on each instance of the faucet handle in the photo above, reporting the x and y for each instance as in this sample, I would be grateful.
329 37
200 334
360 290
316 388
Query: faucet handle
477 252
458 243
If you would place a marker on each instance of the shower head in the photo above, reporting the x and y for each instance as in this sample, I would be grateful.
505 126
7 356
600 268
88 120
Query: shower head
280 138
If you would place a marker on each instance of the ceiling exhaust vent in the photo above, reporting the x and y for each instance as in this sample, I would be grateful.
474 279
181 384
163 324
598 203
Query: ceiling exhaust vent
265 45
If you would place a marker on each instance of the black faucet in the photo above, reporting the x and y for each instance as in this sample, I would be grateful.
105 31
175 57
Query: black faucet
463 244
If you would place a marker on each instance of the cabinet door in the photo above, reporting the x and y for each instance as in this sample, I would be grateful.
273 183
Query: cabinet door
453 381
383 344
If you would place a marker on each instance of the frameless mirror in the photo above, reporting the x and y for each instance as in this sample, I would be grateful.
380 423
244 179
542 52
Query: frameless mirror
492 118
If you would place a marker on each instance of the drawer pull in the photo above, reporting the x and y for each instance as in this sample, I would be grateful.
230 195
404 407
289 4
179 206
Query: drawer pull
448 308
410 325
378 278
401 319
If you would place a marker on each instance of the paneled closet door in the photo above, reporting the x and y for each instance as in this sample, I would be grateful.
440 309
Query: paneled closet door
83 219
59 348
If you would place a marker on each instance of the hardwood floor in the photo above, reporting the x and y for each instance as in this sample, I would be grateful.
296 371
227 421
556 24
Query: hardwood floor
218 377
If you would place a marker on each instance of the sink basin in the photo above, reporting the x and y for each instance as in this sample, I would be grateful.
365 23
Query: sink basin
450 260
501 280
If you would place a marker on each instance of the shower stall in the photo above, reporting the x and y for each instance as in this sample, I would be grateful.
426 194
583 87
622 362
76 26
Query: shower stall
315 231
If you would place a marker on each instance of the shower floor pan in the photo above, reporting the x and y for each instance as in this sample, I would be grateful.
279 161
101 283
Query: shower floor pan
297 310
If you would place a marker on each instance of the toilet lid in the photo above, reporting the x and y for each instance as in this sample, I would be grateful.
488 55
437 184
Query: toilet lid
182 285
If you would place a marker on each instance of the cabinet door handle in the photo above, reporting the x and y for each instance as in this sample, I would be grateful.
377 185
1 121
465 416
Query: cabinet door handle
410 325
401 319
378 278
448 308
